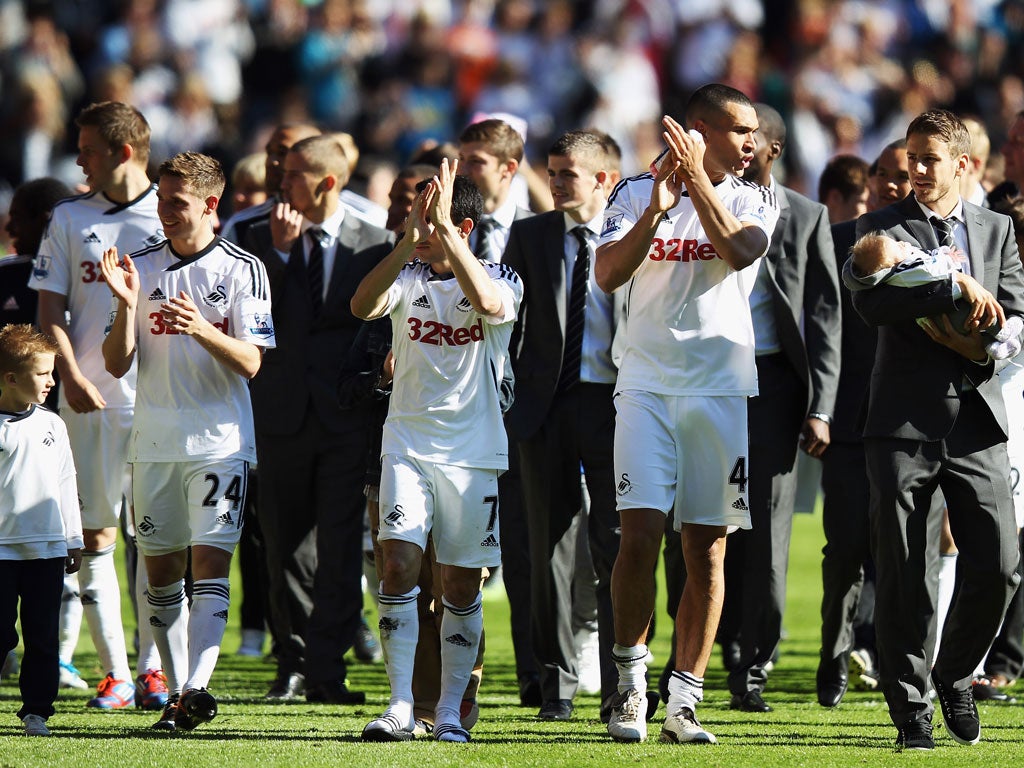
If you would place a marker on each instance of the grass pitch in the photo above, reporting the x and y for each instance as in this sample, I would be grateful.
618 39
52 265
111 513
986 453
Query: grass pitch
251 732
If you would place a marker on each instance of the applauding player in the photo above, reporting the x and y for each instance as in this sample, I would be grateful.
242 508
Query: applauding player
444 442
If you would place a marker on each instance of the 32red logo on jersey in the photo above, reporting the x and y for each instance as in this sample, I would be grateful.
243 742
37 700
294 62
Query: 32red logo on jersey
439 334
681 250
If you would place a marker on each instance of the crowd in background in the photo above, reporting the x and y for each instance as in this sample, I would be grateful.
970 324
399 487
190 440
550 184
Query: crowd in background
216 75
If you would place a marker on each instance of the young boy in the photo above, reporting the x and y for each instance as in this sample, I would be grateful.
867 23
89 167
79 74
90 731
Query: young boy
197 310
40 520
444 442
876 259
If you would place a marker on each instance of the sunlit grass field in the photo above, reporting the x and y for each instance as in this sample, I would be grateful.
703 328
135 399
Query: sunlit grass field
252 732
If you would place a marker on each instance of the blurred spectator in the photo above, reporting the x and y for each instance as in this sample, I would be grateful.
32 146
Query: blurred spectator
249 182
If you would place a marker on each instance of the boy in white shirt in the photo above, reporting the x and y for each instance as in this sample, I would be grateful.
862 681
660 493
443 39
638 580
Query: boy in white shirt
40 520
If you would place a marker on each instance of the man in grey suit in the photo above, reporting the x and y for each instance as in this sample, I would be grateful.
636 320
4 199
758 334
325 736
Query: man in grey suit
935 421
563 416
796 286
312 455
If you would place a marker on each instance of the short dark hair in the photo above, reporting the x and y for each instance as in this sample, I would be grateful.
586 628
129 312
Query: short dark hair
467 202
118 124
770 123
945 126
582 145
612 150
712 100
502 140
202 174
846 174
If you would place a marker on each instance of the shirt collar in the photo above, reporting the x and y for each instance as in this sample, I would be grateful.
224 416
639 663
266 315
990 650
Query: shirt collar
957 212
331 225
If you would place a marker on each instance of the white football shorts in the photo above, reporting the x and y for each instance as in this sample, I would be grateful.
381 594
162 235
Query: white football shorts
457 506
99 443
181 504
685 453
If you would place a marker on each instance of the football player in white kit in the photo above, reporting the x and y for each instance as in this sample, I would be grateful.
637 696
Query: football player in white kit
679 240
444 441
195 310
119 209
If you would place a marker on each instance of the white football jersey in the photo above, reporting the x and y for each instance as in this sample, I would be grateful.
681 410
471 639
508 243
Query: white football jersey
449 363
688 329
189 406
39 511
80 230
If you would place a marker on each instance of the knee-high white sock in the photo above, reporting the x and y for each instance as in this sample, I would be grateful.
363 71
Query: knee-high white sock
460 639
399 631
685 689
947 581
101 602
631 662
206 623
169 619
149 654
70 618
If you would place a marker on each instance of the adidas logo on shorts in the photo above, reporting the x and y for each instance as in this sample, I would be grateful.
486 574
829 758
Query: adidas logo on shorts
154 621
221 615
387 624
458 639
224 518
157 295
422 302
740 504
490 541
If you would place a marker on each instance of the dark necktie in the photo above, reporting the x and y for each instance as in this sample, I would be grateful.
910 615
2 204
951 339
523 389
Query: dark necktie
484 251
315 270
575 314
943 231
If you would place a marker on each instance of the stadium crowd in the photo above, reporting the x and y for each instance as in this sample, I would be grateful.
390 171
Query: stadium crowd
332 141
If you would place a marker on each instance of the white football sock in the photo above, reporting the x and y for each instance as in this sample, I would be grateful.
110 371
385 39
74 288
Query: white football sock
631 662
399 632
149 654
685 689
206 624
70 618
169 619
460 639
947 580
101 602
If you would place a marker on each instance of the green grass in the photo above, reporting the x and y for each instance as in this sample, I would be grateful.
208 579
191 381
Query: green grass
249 731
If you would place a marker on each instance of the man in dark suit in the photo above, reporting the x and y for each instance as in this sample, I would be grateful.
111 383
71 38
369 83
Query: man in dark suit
563 416
847 573
797 286
312 455
935 420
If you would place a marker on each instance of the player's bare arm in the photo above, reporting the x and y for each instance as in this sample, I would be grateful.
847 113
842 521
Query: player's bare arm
285 227
181 313
616 262
123 280
480 290
737 243
81 394
370 298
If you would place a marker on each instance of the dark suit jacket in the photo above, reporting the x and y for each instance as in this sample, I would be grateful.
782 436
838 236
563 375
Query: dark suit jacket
917 384
857 350
805 285
302 372
536 251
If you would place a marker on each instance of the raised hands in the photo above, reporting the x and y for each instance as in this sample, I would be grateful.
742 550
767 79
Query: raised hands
441 202
285 226
121 276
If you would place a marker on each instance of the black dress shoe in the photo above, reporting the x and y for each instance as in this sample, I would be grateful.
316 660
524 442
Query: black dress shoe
832 680
287 686
333 692
985 689
529 692
556 709
750 701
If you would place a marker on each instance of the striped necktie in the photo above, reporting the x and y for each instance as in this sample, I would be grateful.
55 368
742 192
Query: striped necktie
575 314
315 269
943 231
484 249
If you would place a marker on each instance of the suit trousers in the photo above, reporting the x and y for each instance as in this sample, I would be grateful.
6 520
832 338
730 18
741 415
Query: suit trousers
1006 657
515 565
311 508
971 468
579 431
756 559
847 548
